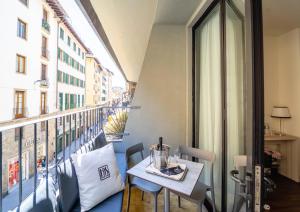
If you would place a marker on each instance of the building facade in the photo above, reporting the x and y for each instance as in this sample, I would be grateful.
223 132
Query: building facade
93 81
28 82
71 54
27 63
106 86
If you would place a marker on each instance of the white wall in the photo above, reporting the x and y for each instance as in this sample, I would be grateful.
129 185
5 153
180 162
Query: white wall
161 90
282 77
271 76
10 45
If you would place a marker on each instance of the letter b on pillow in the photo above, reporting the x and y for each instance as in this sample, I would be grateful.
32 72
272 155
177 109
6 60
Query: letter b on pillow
98 176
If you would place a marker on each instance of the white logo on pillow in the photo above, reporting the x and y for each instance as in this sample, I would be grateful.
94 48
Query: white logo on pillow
98 176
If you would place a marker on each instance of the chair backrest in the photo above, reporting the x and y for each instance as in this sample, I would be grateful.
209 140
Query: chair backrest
197 153
200 154
130 151
137 148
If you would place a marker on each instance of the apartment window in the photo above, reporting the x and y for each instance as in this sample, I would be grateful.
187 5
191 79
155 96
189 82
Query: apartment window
66 58
43 102
82 102
62 34
78 100
74 46
45 15
25 2
79 52
44 72
82 55
44 47
103 98
59 76
61 100
71 80
59 54
18 133
69 41
19 104
71 101
72 62
21 64
66 101
67 78
22 29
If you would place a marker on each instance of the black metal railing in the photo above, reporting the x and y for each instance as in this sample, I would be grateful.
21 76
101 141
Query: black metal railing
84 124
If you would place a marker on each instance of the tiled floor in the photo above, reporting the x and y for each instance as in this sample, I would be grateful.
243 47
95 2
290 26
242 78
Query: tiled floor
139 205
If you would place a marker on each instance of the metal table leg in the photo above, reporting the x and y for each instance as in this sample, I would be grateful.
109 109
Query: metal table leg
167 200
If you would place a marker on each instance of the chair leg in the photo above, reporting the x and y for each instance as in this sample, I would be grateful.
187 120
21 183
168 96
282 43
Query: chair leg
179 201
200 207
213 200
155 202
142 195
128 199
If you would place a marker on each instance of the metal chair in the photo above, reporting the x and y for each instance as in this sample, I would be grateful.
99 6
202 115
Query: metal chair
143 185
200 191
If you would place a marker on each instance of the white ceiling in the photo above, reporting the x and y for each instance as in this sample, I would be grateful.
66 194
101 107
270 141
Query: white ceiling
280 16
175 11
128 25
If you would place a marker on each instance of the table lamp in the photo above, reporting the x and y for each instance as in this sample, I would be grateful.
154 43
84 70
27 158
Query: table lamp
281 113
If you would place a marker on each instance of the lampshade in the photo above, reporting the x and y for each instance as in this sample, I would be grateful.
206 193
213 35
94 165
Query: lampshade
280 112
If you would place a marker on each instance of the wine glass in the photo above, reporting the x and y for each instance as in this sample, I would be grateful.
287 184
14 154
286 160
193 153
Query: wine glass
177 156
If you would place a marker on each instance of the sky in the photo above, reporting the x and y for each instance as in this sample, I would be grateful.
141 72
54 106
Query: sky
91 40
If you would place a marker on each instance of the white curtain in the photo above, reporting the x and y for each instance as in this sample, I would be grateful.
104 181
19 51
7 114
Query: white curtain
210 105
235 95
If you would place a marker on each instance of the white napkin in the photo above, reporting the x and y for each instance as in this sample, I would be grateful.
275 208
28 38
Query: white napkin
151 169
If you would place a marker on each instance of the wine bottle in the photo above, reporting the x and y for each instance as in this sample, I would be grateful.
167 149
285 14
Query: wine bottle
160 143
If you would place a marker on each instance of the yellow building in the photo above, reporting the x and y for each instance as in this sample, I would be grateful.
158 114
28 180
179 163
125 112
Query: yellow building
93 80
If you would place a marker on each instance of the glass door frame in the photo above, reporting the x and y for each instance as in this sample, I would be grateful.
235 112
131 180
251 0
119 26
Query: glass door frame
257 146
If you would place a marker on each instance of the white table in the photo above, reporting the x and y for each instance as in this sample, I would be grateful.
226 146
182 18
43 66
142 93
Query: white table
185 187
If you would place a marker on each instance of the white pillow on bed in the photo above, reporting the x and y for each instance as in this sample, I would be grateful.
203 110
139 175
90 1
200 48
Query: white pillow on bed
98 176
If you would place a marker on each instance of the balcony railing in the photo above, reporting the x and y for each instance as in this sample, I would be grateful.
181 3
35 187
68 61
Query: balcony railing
45 25
50 139
44 82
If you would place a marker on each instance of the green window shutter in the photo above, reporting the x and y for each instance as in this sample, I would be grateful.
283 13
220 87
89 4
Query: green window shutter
61 97
71 101
61 34
58 53
66 102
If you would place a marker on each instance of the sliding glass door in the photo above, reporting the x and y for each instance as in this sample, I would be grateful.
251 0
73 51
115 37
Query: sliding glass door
225 112
235 99
208 94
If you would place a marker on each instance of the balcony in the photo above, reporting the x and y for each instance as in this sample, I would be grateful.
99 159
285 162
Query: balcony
45 25
50 140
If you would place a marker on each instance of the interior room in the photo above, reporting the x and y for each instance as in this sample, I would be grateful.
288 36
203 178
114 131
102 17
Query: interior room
282 106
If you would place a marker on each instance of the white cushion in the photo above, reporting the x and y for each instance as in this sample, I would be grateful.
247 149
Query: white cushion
98 176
